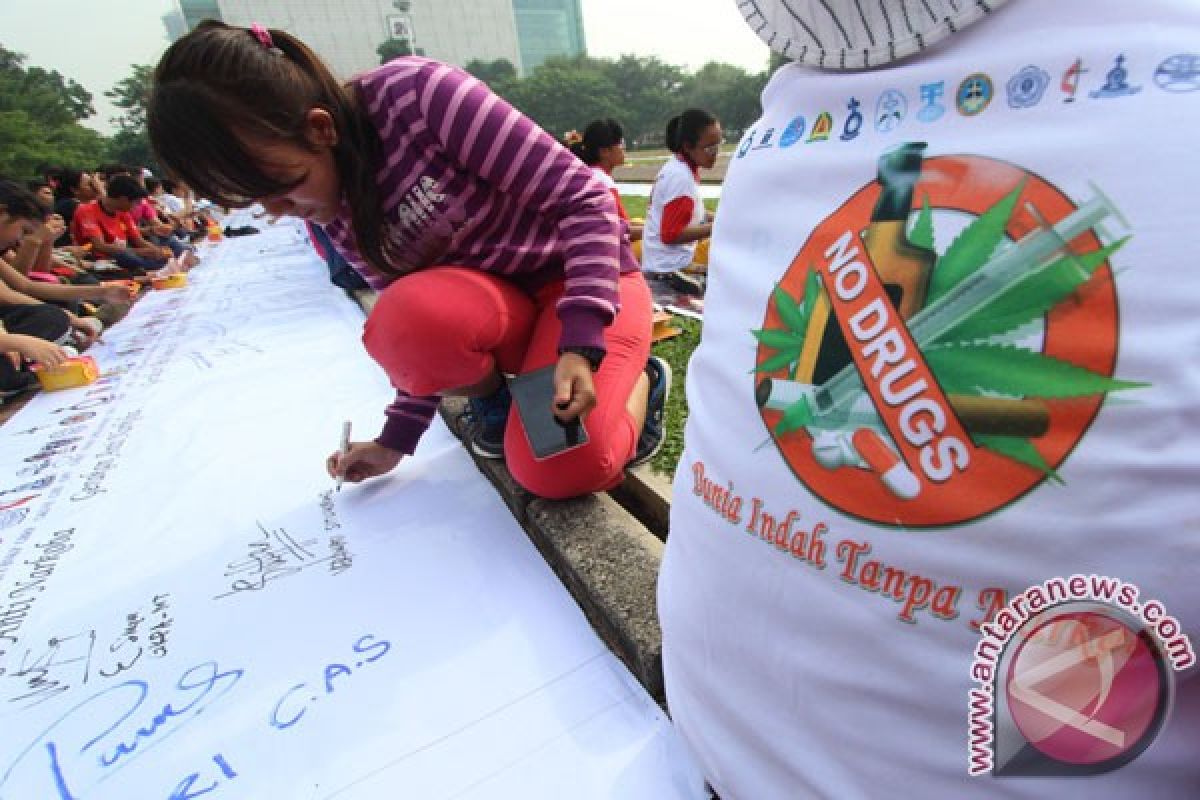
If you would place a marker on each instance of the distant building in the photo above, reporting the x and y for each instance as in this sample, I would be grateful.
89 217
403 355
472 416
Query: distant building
347 33
175 23
193 12
548 28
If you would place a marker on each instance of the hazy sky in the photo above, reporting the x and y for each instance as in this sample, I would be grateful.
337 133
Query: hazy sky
96 41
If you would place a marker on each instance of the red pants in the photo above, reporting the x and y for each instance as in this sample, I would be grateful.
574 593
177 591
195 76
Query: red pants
450 327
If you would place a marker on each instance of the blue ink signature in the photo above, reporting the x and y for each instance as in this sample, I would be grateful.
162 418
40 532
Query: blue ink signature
116 746
367 647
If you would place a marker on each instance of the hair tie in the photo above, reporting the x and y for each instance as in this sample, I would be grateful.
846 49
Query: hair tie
572 138
264 38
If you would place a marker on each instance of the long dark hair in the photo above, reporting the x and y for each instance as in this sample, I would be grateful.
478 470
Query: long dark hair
68 181
18 202
597 135
219 79
687 127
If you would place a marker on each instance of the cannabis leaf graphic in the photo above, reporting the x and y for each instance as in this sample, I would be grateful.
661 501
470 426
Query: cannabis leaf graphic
972 248
976 369
795 316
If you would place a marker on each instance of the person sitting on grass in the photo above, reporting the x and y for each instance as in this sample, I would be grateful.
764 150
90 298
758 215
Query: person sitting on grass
496 251
602 147
74 188
106 224
40 241
43 192
30 331
676 218
158 228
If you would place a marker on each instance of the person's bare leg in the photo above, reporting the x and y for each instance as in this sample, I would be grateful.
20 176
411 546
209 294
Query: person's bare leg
639 398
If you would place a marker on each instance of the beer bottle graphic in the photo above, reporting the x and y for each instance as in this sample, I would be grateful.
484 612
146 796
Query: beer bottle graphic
903 268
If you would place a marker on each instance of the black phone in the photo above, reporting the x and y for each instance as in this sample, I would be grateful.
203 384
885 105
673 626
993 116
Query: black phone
533 393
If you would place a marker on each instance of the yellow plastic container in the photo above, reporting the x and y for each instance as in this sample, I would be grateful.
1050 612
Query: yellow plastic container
176 281
76 371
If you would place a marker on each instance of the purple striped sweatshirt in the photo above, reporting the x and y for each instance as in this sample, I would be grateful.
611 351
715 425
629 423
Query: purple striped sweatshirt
469 181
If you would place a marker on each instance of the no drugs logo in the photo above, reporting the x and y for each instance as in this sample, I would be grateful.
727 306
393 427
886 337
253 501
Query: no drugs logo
918 373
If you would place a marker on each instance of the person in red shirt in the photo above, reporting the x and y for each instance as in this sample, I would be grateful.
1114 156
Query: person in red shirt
106 224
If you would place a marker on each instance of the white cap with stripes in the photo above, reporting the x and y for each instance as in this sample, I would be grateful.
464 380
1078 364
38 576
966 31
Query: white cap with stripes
858 34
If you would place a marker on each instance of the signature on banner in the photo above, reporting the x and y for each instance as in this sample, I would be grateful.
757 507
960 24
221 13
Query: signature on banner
275 554
99 736
41 672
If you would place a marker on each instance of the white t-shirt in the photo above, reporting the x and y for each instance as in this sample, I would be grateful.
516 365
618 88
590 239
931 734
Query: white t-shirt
172 203
674 180
825 570
605 178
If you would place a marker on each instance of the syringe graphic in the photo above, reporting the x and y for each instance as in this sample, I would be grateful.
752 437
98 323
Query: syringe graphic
1006 268
1012 264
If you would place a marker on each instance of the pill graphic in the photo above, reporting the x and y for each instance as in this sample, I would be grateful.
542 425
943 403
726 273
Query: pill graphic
896 476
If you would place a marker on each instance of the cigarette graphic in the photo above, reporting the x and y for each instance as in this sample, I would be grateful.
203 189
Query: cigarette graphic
1001 416
994 416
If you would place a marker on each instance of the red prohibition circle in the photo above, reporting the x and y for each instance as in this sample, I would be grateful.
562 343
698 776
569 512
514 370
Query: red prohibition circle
1081 330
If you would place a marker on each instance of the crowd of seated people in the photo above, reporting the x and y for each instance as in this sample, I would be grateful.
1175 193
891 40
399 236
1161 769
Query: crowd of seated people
75 246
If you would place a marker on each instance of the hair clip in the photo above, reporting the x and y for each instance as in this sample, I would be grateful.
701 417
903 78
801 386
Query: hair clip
571 138
264 38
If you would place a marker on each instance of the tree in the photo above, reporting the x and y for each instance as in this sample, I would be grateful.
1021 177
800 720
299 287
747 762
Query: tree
565 94
132 95
647 90
393 48
641 93
131 143
727 91
500 75
131 147
776 61
40 112
49 98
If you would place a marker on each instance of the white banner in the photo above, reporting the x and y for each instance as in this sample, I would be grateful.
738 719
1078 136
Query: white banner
187 607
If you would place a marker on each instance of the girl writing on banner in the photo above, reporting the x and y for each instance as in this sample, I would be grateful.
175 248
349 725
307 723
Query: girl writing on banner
495 250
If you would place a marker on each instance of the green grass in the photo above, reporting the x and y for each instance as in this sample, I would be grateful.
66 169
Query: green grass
677 351
636 206
662 152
